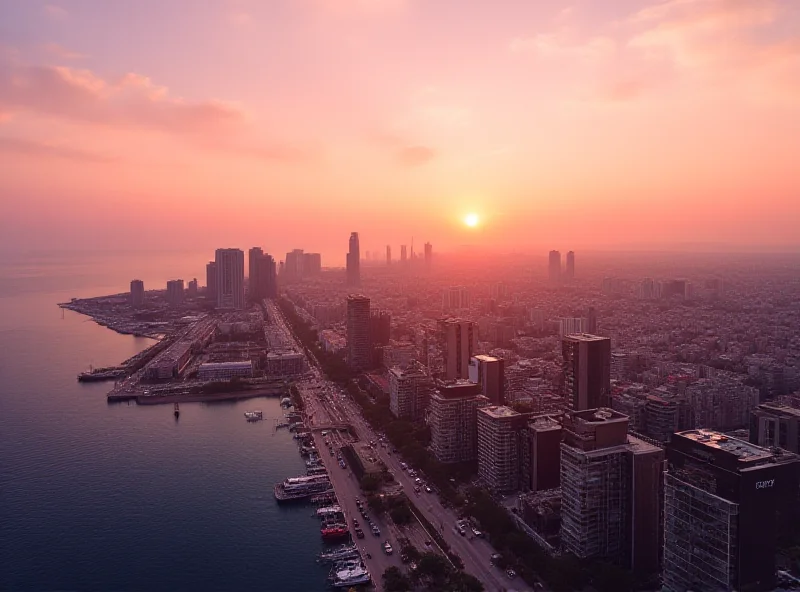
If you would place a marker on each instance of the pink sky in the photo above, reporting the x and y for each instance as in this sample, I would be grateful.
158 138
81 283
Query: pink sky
291 123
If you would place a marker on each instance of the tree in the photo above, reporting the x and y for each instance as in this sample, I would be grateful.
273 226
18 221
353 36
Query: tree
395 580
401 514
370 482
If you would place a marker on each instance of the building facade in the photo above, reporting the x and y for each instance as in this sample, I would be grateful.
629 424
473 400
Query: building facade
175 292
409 391
222 371
354 261
500 442
452 417
587 371
211 281
458 340
230 278
489 372
772 424
359 354
137 293
554 267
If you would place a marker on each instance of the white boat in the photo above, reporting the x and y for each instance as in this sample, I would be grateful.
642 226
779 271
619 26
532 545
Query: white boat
350 577
254 415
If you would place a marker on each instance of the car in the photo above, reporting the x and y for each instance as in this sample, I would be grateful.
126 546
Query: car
476 532
511 573
331 451
428 489
324 434
387 548
461 530
376 531
355 522
359 533
418 481
417 489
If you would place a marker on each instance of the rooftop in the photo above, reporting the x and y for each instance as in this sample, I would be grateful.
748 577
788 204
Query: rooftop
499 411
584 337
719 441
599 415
485 358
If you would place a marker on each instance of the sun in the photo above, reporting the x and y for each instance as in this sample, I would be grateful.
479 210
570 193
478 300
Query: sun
471 220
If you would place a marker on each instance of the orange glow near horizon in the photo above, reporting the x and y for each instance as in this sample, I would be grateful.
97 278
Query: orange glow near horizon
289 124
471 220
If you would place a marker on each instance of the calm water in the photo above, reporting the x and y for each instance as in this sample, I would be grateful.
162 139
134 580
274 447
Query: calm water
118 497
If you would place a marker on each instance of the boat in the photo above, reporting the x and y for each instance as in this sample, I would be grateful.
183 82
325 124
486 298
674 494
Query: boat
100 374
340 553
326 497
177 411
283 424
299 488
328 510
334 531
352 576
254 415
317 471
343 564
286 402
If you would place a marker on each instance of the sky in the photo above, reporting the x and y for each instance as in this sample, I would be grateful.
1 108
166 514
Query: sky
185 124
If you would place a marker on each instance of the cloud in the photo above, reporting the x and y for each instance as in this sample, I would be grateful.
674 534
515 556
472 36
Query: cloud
55 12
56 51
19 146
413 156
559 44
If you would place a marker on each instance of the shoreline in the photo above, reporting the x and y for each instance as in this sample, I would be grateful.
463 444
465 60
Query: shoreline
194 398
155 336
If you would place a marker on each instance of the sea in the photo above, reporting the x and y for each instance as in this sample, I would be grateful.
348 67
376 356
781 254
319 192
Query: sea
99 496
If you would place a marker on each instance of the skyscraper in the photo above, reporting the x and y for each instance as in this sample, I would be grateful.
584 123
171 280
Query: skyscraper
554 267
175 292
358 329
388 255
254 254
354 261
428 255
453 418
294 264
455 298
722 496
137 293
403 253
500 444
380 328
458 340
610 483
192 288
569 271
230 278
587 371
312 264
211 281
591 320
488 371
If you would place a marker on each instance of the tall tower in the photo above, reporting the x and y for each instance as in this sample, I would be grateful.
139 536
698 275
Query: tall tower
137 293
403 253
569 272
358 325
253 255
554 267
587 371
230 278
458 342
211 281
354 261
428 255
388 255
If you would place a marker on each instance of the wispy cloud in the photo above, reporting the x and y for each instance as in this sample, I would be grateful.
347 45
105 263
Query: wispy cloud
407 153
56 51
20 146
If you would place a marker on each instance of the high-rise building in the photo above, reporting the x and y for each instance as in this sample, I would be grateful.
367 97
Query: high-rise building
230 278
192 288
772 424
458 340
500 442
554 267
358 328
380 328
388 255
293 267
428 255
722 497
453 416
253 256
403 254
591 320
571 326
211 281
409 391
175 292
544 466
354 261
137 293
312 264
587 371
610 484
569 270
489 372
455 298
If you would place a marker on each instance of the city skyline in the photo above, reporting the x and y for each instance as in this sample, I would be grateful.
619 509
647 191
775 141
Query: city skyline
624 140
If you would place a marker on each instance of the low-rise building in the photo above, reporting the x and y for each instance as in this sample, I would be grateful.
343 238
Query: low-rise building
221 371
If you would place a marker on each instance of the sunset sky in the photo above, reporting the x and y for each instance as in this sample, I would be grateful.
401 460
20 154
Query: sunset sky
290 123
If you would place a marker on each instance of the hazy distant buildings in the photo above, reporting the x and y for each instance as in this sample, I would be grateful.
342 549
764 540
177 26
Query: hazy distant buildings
591 320
569 270
488 371
354 261
571 326
263 276
452 417
253 255
722 499
230 278
293 266
192 288
428 255
455 298
312 264
587 371
175 292
554 267
358 332
610 483
388 255
137 293
380 328
211 281
403 254
458 340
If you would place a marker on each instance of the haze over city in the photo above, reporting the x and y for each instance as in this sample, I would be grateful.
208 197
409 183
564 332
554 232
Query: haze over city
607 125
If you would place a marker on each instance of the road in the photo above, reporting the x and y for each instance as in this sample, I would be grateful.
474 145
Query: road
334 405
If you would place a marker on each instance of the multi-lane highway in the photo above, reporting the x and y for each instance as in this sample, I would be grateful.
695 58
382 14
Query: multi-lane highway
326 402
